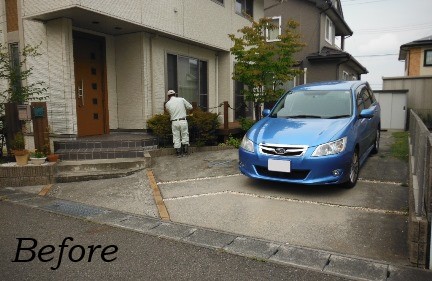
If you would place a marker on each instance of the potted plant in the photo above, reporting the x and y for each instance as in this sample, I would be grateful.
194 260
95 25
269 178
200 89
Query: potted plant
53 157
37 157
18 149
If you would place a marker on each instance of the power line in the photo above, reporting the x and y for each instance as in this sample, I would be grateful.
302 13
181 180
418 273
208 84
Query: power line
368 2
397 28
377 55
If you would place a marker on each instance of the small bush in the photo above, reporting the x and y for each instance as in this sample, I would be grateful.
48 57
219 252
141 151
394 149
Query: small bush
160 126
232 141
246 123
202 128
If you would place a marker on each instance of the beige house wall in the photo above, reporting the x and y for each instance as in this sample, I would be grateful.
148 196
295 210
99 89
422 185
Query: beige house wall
136 62
183 18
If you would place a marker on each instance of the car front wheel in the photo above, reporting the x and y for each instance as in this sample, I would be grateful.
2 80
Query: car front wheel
354 171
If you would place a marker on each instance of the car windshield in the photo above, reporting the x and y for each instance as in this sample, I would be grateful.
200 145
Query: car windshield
314 104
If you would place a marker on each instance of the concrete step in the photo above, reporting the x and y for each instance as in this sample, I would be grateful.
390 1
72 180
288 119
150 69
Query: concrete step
84 170
88 149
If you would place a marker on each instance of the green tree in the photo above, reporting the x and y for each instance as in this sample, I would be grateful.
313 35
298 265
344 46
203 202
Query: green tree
15 71
264 66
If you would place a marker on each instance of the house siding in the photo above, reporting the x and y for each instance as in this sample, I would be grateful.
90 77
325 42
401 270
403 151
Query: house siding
307 15
174 17
414 61
135 62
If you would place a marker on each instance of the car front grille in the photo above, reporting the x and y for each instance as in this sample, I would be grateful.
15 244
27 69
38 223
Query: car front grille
283 150
293 175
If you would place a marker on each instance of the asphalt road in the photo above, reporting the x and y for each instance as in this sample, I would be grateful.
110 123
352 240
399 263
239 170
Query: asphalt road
139 256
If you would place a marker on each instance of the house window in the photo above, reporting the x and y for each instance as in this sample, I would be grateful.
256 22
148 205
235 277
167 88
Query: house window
272 34
244 7
329 30
219 1
428 58
345 76
189 78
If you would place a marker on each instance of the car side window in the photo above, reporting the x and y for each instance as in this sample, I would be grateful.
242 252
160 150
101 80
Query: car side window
366 98
371 94
360 103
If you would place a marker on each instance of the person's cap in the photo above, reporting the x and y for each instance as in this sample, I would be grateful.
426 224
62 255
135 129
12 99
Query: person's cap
170 93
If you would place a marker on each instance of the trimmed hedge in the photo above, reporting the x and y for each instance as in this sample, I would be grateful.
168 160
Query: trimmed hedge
202 128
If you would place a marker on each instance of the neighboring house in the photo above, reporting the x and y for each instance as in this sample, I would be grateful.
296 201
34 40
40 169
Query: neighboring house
321 21
109 64
417 56
414 90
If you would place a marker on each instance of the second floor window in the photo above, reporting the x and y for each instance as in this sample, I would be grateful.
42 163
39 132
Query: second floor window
272 35
329 30
428 58
244 7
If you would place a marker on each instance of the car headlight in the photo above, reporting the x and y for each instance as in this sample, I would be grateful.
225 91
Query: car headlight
247 144
330 148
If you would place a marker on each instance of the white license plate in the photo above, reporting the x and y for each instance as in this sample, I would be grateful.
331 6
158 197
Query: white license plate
279 165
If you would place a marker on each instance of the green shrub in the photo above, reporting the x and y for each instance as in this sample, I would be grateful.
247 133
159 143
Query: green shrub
160 126
202 128
246 123
232 141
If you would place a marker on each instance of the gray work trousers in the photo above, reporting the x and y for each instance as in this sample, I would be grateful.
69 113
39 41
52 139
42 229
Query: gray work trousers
180 133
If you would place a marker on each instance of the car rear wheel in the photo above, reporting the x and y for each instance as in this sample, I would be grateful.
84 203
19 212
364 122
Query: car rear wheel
376 143
354 171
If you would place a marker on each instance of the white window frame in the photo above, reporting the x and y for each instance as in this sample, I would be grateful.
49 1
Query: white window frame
220 2
329 30
345 76
280 29
425 61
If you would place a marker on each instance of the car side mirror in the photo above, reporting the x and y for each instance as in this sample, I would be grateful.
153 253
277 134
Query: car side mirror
367 113
266 112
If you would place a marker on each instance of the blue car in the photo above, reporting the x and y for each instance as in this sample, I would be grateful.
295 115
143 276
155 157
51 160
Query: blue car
318 133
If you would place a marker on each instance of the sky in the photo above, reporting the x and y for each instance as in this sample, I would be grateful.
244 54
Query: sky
380 27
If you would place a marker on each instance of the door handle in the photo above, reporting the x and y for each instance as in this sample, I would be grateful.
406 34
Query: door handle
81 92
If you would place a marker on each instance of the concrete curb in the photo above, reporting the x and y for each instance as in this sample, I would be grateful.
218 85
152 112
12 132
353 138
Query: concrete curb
268 251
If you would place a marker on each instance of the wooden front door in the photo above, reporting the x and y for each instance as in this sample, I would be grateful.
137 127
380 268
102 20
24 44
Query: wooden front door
90 84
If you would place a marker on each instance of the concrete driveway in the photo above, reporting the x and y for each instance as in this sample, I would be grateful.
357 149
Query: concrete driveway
369 221
205 189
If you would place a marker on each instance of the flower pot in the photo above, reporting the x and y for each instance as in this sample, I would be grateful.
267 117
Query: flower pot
37 161
21 160
53 157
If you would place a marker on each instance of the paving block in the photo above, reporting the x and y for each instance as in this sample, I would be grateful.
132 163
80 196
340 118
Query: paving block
18 197
74 209
252 248
357 268
303 257
140 224
208 238
398 273
38 201
174 231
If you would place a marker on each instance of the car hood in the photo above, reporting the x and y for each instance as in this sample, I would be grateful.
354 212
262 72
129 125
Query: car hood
310 132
